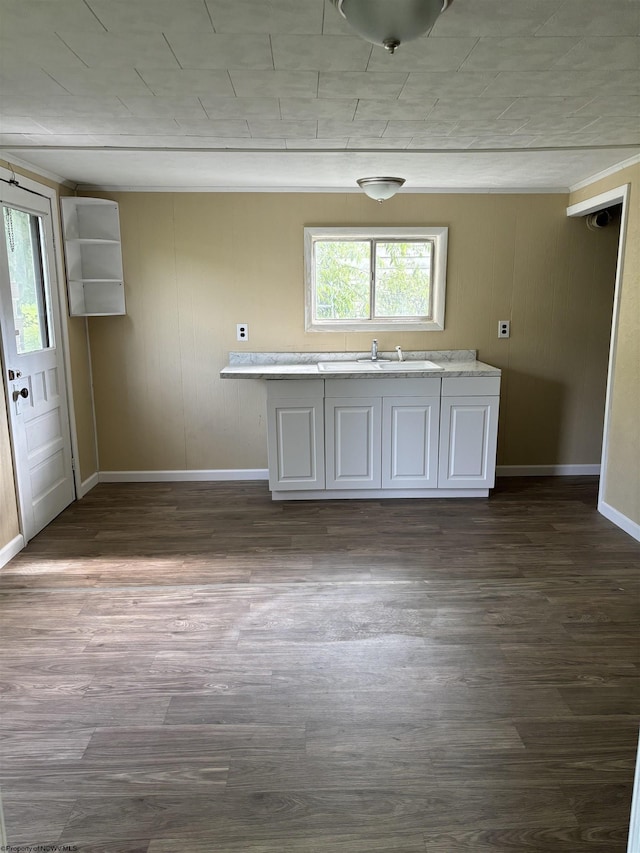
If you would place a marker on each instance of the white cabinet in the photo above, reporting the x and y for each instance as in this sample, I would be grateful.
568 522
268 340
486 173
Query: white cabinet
295 435
93 255
421 437
468 433
353 442
388 440
410 429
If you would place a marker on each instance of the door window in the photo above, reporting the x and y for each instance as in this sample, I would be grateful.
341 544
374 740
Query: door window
27 276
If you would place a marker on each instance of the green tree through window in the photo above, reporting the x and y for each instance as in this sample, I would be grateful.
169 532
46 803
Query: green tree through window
403 279
372 279
343 272
358 279
22 236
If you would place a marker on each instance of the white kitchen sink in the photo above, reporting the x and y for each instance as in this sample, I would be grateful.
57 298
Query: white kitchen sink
346 366
409 365
375 366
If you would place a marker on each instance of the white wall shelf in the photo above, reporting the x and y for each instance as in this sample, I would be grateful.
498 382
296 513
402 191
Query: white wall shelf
93 253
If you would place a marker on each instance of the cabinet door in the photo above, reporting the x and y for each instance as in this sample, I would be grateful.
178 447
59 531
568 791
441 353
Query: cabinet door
410 427
468 436
353 438
296 446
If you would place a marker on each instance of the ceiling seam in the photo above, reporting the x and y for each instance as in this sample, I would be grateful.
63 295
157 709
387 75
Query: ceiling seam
173 53
208 11
95 16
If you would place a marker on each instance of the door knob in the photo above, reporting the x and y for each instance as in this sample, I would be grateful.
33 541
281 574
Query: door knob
23 392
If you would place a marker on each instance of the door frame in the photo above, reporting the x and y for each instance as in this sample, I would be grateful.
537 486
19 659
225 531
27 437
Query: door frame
617 195
52 195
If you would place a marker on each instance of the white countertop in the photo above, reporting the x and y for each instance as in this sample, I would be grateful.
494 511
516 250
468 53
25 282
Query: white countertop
253 365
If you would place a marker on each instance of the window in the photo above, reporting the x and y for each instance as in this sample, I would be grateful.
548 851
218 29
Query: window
372 279
24 242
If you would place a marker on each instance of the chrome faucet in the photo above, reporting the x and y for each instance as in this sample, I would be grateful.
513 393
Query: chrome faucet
400 353
374 350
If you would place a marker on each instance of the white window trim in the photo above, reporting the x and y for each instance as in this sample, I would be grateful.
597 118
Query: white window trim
439 236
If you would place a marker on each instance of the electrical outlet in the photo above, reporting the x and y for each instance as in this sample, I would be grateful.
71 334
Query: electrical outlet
242 332
504 328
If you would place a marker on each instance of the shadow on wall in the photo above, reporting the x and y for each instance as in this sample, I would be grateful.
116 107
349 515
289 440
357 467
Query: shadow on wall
534 437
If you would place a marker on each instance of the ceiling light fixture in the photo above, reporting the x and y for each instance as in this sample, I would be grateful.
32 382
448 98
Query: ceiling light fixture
380 189
389 23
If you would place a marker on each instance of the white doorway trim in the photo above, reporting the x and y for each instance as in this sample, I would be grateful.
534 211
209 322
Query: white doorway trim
618 195
52 195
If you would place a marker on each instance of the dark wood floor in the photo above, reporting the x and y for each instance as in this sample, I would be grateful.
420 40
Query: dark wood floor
191 668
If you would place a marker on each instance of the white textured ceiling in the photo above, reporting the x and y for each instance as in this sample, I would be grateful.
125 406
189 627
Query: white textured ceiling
502 93
202 170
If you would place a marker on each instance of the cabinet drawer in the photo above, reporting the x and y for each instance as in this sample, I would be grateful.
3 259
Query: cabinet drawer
284 389
387 387
471 386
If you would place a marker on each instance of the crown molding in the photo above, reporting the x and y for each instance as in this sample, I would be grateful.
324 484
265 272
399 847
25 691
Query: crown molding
349 190
605 173
12 160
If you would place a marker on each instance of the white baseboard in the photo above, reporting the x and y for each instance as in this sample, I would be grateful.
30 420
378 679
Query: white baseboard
220 474
213 475
621 521
370 494
546 470
3 831
12 548
634 823
88 484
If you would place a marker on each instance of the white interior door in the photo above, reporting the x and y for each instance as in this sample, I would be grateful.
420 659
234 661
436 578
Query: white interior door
33 360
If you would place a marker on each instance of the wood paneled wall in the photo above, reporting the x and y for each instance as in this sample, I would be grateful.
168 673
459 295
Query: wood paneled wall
198 263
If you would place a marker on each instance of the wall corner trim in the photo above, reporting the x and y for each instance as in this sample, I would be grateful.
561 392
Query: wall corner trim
9 551
621 521
88 484
634 823
547 470
206 475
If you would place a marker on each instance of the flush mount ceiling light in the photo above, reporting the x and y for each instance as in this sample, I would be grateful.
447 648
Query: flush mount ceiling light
389 23
380 189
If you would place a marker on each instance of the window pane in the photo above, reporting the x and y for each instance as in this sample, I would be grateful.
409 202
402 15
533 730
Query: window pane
343 277
403 279
22 235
